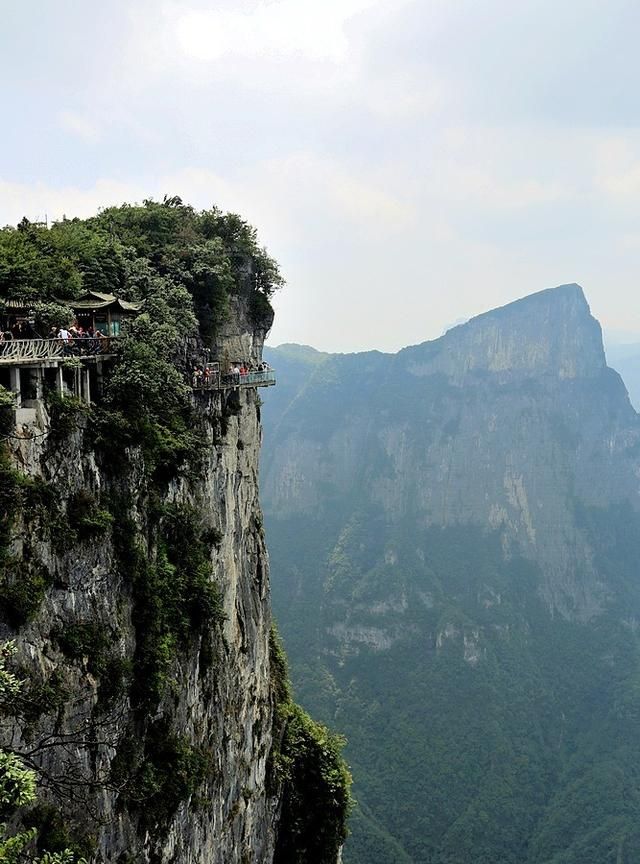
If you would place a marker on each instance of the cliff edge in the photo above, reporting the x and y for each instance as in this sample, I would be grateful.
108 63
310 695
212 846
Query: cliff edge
153 706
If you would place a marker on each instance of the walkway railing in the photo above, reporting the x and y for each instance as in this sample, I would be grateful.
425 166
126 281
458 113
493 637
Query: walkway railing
250 379
16 351
215 381
29 350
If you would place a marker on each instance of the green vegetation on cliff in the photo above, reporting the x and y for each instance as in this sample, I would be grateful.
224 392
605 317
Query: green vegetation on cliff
182 266
306 764
146 441
142 253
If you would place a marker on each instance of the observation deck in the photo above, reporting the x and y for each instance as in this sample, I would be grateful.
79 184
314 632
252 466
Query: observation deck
76 366
70 367
214 380
20 352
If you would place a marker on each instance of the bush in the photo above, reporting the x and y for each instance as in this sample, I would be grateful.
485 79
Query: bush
66 415
90 639
86 517
316 798
23 586
158 775
51 314
7 409
306 767
56 835
175 598
40 697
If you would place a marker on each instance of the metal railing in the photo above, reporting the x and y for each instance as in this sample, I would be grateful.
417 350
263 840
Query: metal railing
215 381
29 350
249 379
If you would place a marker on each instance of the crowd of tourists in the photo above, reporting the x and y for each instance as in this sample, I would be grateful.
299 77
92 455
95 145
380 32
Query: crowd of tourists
209 376
204 376
78 340
75 339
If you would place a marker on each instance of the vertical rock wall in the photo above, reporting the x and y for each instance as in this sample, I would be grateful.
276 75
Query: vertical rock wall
217 702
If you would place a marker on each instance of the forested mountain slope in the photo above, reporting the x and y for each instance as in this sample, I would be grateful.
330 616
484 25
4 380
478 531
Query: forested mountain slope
455 546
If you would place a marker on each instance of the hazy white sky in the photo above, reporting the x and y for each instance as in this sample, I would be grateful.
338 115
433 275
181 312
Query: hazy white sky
408 162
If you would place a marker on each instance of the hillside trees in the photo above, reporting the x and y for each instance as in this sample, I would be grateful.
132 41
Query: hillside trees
18 786
211 254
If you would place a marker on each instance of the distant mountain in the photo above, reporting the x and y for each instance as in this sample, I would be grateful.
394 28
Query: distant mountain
455 543
625 359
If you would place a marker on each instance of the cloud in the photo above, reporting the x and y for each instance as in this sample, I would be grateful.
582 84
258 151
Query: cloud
35 200
80 125
488 190
279 29
618 168
458 153
275 196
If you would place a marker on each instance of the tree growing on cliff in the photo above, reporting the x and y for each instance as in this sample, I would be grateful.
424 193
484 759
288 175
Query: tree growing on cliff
18 786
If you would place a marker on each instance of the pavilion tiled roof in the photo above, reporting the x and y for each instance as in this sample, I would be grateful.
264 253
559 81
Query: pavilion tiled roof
99 300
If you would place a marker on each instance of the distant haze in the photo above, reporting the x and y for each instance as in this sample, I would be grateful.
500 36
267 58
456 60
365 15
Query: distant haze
409 163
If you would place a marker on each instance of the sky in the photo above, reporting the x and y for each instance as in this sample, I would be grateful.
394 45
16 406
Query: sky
409 163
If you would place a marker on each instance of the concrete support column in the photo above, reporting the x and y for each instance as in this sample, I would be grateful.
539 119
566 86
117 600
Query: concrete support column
39 382
99 377
59 381
87 384
14 383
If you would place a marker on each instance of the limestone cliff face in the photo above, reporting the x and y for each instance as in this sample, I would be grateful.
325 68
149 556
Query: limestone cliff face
551 332
214 716
509 422
456 535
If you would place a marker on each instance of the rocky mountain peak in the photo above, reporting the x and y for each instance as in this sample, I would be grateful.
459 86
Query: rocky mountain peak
550 332
456 531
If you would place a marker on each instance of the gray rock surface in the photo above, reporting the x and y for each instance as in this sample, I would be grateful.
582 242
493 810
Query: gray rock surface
455 536
506 421
224 708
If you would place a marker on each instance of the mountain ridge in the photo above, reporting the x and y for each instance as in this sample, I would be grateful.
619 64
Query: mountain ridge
454 542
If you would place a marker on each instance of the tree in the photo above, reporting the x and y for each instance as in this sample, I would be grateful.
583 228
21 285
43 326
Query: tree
18 786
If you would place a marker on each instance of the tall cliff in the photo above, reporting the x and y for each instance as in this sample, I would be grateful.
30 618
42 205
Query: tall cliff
455 538
155 708
625 358
218 694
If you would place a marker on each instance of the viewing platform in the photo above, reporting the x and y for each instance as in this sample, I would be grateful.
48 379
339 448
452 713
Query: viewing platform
20 352
76 367
212 379
73 367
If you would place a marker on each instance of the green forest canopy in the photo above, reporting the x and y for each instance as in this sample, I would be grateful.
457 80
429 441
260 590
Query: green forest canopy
182 267
157 250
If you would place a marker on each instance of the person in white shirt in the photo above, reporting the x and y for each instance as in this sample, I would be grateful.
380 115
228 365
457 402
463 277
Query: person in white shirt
64 334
